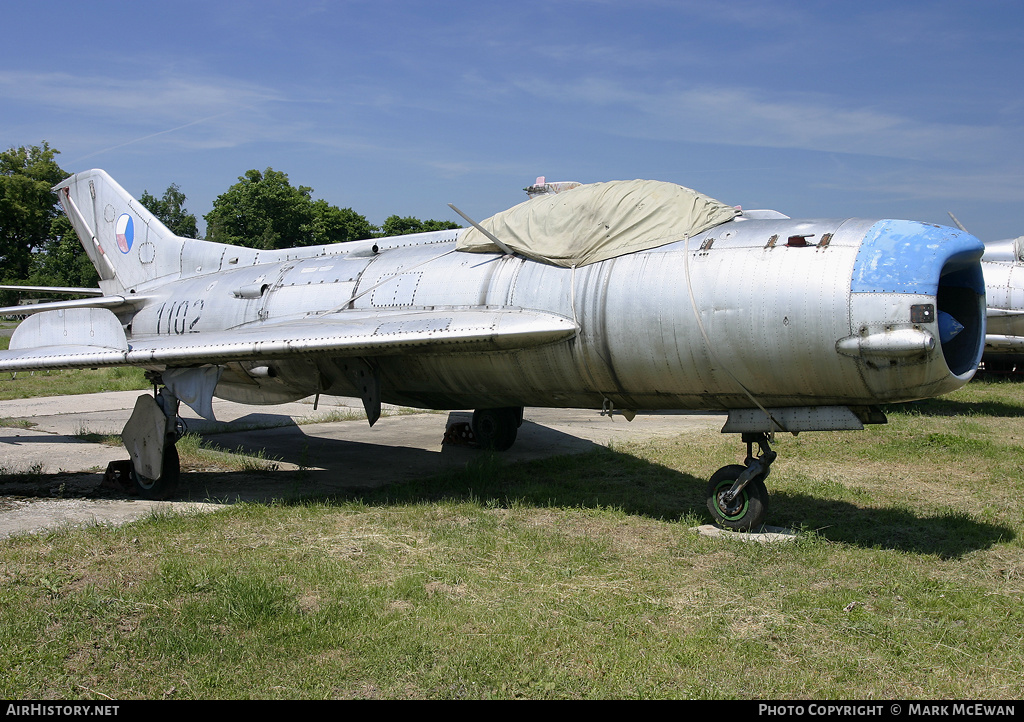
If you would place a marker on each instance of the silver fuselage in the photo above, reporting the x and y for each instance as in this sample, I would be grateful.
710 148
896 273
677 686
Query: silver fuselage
791 323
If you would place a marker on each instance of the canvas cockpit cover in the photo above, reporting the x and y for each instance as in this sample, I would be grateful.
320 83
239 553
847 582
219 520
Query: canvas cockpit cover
598 221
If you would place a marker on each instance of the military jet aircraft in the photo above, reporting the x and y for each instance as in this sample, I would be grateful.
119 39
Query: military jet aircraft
1003 266
617 296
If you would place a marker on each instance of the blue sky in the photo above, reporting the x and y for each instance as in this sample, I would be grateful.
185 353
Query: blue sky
818 109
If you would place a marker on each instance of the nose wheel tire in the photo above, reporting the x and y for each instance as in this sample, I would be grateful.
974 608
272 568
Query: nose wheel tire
744 512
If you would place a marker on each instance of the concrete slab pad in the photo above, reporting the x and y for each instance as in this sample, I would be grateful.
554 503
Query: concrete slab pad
33 451
765 535
313 458
30 516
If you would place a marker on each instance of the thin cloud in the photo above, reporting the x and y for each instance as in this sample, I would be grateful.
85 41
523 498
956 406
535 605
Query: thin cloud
188 112
148 137
128 99
740 116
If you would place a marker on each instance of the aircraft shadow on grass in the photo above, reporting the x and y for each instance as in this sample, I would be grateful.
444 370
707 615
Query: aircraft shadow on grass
588 475
593 477
949 407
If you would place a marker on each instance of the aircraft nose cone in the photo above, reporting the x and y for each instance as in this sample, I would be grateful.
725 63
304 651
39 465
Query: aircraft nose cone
926 260
949 327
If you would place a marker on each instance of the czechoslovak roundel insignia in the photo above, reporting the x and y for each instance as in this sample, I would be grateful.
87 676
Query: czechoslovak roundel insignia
125 230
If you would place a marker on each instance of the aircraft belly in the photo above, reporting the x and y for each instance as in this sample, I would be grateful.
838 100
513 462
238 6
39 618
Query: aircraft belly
538 377
1006 326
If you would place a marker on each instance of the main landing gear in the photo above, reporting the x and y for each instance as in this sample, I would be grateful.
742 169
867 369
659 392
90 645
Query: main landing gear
737 495
496 429
170 474
150 437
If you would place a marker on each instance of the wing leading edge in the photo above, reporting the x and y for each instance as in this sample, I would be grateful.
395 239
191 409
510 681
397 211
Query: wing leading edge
93 337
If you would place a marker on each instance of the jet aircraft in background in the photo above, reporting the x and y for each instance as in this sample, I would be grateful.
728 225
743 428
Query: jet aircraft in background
1003 268
615 296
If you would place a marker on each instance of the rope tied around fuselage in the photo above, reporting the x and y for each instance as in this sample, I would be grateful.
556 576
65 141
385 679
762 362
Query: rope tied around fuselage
707 341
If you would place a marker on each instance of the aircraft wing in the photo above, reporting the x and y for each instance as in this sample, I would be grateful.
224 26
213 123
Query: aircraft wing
93 337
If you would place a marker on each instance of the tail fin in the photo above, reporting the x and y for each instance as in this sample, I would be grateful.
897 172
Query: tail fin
128 245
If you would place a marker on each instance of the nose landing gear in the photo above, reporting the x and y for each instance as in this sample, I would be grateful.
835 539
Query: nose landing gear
150 437
737 495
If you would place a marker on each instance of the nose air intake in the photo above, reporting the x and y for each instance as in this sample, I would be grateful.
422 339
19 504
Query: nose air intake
942 266
961 300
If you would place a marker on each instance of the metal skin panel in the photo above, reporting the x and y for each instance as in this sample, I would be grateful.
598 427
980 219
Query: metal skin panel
91 327
750 312
875 313
817 418
1004 287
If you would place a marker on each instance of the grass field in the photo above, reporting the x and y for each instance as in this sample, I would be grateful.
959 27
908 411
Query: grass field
29 384
575 577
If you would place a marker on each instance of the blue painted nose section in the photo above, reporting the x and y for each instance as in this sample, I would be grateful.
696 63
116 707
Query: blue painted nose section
910 257
938 263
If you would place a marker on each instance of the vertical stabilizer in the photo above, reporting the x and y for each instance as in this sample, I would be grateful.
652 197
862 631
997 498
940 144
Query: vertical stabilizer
128 245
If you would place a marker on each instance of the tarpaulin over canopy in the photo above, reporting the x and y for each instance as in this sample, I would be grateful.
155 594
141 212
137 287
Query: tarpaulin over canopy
599 221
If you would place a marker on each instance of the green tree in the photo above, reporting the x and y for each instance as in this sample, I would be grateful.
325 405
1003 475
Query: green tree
338 225
261 210
62 261
264 210
170 210
27 206
398 226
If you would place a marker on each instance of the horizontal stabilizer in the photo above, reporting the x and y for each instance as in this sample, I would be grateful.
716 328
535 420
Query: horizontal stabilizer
346 333
55 289
35 308
72 327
